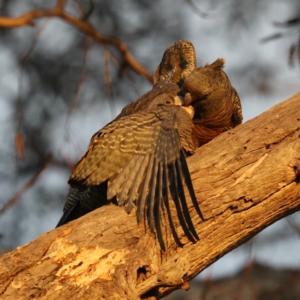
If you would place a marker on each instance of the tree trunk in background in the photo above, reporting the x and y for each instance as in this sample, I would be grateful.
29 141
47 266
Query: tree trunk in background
245 179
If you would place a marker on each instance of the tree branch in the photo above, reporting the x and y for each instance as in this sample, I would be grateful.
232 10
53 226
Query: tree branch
245 179
27 19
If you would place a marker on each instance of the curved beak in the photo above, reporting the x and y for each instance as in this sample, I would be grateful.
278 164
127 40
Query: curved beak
190 110
178 100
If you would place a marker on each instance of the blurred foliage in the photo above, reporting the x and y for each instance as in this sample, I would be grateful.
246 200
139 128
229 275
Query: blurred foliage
287 27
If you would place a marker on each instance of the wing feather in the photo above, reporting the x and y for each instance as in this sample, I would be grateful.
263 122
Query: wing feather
176 195
158 207
140 174
135 164
141 158
183 201
145 190
151 199
188 182
116 182
166 203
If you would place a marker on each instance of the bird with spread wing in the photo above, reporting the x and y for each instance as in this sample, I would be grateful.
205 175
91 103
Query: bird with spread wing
139 160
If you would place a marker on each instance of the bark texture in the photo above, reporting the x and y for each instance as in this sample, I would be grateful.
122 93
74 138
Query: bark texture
245 179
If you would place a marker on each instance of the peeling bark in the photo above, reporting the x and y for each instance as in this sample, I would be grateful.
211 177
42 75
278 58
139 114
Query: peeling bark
245 179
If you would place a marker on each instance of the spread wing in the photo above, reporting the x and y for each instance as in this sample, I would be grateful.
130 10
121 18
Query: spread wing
142 158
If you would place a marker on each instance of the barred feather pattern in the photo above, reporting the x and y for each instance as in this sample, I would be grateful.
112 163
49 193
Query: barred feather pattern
136 155
178 61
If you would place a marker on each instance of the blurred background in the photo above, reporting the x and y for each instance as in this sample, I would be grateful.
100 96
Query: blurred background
58 87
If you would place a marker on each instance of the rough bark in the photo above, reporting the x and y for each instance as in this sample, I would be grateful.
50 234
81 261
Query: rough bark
245 179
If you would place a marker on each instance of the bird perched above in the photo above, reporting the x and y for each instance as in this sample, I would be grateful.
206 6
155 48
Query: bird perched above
139 159
177 63
208 89
216 103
